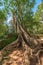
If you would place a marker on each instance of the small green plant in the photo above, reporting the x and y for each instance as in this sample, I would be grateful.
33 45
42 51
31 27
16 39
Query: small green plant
7 41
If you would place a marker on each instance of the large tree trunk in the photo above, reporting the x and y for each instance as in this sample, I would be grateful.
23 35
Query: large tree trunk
31 42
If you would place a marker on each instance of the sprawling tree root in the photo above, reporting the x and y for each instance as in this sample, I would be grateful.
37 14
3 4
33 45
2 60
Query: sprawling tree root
14 55
18 53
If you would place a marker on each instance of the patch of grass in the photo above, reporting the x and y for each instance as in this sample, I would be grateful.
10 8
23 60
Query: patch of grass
7 41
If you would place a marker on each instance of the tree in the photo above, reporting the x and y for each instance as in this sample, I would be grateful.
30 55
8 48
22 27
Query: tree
39 13
3 29
2 26
22 10
39 18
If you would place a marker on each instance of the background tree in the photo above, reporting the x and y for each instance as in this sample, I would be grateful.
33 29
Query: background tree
39 18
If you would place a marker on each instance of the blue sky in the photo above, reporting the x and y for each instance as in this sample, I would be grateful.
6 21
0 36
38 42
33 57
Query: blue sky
36 4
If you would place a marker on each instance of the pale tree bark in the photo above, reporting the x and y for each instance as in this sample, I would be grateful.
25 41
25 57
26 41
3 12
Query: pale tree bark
28 39
31 42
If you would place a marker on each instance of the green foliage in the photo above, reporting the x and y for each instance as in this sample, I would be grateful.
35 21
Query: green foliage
2 16
22 10
6 41
39 13
38 18
3 29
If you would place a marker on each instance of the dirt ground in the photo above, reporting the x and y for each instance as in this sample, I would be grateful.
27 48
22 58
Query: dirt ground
18 56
